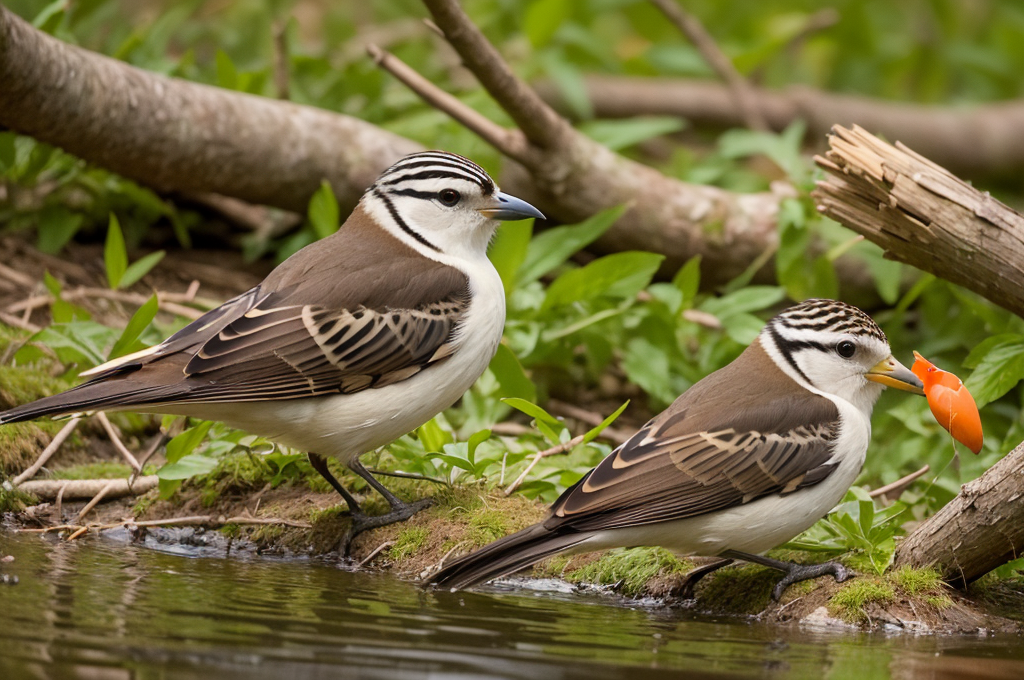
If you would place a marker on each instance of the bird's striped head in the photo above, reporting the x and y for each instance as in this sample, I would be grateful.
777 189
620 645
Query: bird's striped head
442 203
836 349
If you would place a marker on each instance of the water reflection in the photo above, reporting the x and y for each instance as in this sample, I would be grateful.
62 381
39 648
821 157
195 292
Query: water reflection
102 609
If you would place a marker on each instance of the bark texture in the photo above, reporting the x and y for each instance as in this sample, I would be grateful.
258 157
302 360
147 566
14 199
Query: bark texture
921 214
977 531
974 141
172 134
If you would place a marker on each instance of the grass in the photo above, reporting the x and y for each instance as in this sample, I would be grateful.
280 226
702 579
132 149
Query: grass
630 569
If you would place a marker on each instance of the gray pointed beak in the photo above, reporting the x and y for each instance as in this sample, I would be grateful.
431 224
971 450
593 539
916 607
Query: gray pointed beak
892 373
505 207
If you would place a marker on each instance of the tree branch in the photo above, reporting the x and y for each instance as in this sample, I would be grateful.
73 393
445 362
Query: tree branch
694 30
541 125
973 141
176 135
923 215
977 531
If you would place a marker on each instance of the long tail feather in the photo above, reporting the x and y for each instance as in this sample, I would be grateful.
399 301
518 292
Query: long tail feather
504 556
92 396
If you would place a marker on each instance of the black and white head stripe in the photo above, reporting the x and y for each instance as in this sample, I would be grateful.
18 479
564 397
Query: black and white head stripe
818 325
406 177
829 316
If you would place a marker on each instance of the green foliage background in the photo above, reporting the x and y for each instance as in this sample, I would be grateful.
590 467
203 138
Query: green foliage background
575 328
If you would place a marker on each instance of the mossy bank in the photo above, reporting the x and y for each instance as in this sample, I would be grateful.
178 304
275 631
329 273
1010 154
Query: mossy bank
464 518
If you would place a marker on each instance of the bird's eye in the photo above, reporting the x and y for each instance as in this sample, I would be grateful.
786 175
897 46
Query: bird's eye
449 197
846 349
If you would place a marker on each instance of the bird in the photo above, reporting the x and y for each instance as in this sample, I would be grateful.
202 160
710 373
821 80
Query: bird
744 460
348 344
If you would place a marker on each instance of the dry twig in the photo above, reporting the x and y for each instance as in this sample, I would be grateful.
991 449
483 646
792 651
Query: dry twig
50 449
892 492
553 451
694 30
118 444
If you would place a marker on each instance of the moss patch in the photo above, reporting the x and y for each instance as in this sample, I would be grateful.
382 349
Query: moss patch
630 570
850 602
407 542
916 581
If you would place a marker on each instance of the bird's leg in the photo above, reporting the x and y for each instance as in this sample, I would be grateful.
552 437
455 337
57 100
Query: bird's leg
685 590
319 464
400 510
794 572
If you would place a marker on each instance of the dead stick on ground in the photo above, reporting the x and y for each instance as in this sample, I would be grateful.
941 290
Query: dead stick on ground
694 30
121 448
79 489
19 323
95 500
376 551
197 520
50 449
553 451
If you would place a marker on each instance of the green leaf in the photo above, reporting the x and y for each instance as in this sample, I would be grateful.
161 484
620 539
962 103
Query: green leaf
534 411
323 211
50 16
186 442
76 342
998 372
592 434
188 466
620 275
227 72
115 255
553 247
648 366
543 17
744 300
987 345
511 377
140 268
433 436
57 226
687 280
508 251
743 327
136 325
621 134
475 440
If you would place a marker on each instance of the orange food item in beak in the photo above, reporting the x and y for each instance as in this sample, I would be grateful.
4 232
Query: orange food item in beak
950 402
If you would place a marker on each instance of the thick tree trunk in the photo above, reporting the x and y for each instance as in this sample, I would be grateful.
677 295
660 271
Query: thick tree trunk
921 214
172 134
977 531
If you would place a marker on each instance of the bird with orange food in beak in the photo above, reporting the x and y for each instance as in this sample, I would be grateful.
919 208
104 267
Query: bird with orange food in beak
743 461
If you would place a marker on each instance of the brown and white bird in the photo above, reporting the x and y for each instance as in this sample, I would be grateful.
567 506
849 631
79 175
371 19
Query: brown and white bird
743 461
351 342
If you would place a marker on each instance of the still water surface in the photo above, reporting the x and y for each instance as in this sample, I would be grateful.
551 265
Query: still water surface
100 608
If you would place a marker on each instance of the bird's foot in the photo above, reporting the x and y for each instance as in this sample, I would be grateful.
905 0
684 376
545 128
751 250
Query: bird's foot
399 512
804 572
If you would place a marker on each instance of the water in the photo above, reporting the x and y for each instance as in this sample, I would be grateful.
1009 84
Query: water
101 608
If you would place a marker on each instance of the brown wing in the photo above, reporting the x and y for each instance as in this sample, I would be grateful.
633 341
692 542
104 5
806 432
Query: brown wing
712 449
279 351
356 310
